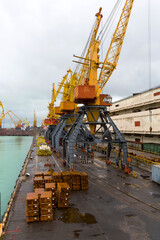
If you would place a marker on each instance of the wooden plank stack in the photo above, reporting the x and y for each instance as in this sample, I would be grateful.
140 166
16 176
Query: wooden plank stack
84 180
40 204
38 174
38 182
52 187
47 173
39 191
63 194
56 177
66 177
32 207
76 183
46 210
47 179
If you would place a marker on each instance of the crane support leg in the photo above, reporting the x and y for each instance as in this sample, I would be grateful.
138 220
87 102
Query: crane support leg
105 132
55 131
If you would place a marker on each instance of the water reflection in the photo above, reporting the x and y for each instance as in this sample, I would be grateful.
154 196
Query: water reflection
18 140
13 151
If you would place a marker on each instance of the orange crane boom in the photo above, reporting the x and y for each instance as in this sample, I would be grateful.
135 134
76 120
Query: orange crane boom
17 124
2 114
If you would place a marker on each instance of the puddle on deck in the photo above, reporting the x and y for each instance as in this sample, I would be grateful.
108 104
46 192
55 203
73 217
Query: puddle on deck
103 158
77 233
73 215
129 214
145 177
132 185
156 195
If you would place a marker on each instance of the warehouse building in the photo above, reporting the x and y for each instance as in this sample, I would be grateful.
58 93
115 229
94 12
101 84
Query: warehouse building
138 118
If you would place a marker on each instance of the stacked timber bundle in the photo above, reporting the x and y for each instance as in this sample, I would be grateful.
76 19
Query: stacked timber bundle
63 194
41 203
32 207
38 174
66 177
47 173
38 182
56 177
46 210
84 180
39 191
40 141
76 183
52 188
44 151
48 179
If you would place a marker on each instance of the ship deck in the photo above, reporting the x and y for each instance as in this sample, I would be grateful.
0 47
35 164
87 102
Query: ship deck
116 205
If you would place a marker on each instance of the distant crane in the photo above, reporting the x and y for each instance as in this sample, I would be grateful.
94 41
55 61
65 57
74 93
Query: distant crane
35 120
54 112
2 114
26 123
18 122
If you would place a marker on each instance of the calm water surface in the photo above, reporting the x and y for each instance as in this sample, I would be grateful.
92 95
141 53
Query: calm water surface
13 151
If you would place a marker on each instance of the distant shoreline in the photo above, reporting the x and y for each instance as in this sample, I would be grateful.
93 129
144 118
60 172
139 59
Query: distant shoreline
15 132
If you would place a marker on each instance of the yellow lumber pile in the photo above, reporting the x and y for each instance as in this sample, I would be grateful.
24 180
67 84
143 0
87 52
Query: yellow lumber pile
40 141
44 151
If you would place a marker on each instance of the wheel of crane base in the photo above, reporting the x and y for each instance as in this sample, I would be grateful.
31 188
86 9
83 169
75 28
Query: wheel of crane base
108 162
57 154
127 170
64 163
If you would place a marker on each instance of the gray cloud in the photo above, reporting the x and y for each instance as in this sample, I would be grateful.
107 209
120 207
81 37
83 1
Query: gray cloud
39 38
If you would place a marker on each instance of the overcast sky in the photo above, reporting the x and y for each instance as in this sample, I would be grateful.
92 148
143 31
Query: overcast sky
39 37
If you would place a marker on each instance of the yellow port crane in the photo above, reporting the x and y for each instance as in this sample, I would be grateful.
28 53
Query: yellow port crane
84 70
26 122
17 123
68 108
67 104
52 117
93 124
89 92
54 112
2 114
65 84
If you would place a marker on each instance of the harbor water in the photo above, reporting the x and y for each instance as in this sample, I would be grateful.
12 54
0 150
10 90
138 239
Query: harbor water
13 151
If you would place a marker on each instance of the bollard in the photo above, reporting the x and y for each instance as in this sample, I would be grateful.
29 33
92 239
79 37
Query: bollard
1 230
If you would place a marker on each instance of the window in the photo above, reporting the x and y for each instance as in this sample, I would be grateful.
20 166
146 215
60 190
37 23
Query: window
137 123
156 94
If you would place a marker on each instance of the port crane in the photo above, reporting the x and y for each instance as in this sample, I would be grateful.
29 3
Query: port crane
52 116
26 123
68 107
55 111
2 114
68 111
18 122
99 127
35 120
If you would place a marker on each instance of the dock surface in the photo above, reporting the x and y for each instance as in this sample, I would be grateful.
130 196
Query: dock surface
116 206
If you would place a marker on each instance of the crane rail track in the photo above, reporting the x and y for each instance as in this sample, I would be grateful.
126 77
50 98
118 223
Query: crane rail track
119 190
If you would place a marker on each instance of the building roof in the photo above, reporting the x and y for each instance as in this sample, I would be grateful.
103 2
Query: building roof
135 94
